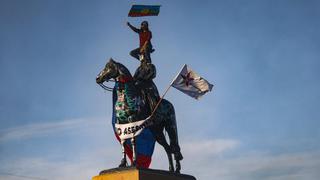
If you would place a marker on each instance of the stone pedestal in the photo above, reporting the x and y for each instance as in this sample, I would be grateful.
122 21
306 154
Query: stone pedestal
132 173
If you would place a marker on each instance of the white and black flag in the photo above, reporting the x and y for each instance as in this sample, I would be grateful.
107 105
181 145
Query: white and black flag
191 83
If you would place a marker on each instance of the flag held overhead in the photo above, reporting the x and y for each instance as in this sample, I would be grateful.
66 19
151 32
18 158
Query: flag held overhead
191 83
144 10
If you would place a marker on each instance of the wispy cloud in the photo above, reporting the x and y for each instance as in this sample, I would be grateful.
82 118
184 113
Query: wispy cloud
205 159
209 147
40 129
89 164
222 159
84 167
196 152
257 166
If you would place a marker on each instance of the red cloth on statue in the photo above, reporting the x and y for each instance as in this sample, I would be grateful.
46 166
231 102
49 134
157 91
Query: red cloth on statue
143 161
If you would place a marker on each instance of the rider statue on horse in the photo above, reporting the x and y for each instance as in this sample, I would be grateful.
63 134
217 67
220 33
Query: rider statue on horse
136 99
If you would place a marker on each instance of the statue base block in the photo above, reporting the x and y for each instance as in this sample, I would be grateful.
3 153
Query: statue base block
133 173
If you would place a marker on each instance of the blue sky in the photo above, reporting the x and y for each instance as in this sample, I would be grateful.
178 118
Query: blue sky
260 122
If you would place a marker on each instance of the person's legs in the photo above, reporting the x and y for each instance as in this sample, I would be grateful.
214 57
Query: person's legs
147 54
135 53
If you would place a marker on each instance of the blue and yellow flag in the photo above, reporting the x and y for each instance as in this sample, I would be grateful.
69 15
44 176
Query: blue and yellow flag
144 10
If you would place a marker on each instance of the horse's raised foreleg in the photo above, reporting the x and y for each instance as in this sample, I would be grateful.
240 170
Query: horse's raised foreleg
134 156
124 158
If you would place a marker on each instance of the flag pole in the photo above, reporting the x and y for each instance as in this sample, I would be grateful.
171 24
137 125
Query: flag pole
156 107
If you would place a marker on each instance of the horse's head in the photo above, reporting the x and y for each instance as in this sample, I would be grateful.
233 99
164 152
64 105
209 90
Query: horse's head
112 70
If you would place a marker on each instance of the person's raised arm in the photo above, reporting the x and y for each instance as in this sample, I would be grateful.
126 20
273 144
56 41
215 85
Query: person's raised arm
133 28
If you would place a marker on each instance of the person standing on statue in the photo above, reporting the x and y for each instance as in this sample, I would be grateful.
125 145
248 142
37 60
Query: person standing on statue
145 47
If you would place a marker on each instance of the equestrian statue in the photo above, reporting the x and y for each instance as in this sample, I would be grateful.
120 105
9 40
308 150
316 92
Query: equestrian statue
136 98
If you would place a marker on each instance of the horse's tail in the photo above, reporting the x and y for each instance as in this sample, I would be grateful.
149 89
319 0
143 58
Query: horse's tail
171 129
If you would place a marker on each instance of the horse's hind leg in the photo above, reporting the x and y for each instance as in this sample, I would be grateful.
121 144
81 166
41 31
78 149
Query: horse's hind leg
163 142
178 166
174 146
171 128
124 159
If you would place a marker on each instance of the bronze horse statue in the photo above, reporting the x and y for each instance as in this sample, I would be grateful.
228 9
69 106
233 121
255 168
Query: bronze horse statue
130 104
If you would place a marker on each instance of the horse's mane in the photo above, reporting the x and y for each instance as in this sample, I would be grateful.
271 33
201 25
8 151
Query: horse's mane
123 69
